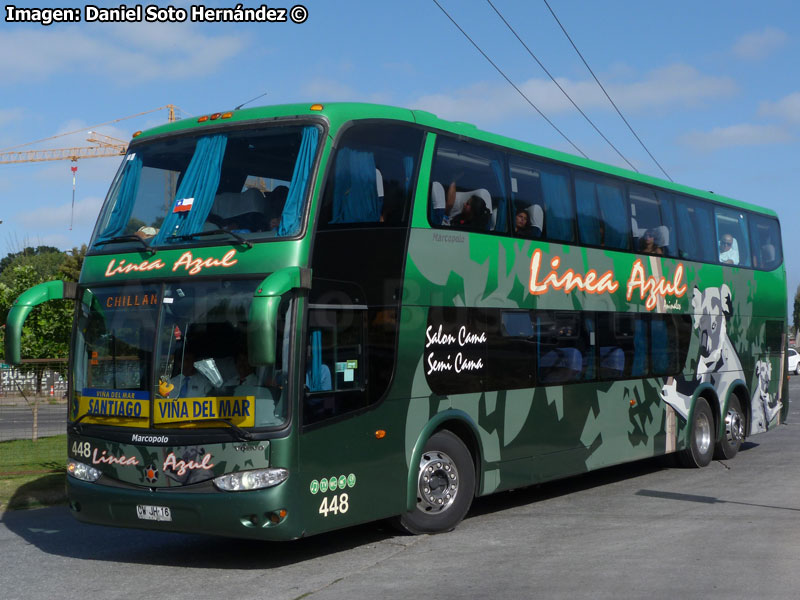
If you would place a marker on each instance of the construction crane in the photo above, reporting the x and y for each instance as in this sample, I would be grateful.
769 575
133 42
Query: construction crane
73 154
104 145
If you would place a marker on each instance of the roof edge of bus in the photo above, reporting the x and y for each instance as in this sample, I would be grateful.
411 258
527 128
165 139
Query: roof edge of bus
338 113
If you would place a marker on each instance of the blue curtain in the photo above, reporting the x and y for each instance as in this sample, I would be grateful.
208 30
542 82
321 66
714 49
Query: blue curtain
315 383
640 348
688 247
662 352
588 351
408 167
126 198
500 225
557 206
292 215
668 219
614 215
704 231
199 182
588 219
355 194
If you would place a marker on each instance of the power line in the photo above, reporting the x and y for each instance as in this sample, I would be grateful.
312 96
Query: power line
563 91
606 93
511 83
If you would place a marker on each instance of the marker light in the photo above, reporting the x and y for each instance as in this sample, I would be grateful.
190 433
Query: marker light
316 107
82 471
380 434
227 115
250 480
137 134
216 116
202 119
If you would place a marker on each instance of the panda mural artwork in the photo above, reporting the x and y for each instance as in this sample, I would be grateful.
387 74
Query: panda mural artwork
764 408
718 362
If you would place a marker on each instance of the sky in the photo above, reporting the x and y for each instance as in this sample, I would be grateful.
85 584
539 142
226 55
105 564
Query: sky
711 88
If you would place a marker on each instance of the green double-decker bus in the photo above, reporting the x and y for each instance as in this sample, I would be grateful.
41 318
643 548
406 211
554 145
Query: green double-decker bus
296 318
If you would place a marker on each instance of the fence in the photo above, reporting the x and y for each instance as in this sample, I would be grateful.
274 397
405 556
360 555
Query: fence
33 399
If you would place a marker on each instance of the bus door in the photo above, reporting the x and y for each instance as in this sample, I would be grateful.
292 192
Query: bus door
346 458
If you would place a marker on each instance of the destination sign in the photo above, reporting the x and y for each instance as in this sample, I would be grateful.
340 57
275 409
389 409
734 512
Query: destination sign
239 410
131 300
126 408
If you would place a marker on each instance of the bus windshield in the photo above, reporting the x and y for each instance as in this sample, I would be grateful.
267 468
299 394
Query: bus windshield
198 188
173 355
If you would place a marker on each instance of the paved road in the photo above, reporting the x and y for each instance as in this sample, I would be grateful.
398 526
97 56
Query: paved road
729 531
16 421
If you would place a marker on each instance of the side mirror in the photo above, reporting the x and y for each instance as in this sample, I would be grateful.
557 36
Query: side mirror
262 329
38 294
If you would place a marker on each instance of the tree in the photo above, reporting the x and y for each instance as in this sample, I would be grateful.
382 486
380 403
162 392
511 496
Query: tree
47 328
45 260
70 269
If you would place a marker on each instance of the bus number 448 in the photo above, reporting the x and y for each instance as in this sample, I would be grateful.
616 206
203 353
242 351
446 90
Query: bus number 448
338 504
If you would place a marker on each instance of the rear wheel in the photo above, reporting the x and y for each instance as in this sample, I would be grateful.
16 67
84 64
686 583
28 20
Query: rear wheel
445 486
701 446
728 446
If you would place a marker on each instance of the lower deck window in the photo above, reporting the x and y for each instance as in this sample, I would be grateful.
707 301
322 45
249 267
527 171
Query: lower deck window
475 349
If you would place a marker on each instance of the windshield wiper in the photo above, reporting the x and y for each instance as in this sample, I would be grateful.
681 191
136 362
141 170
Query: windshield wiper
126 238
241 434
233 234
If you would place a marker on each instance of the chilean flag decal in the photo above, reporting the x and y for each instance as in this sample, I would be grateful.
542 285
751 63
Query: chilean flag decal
183 205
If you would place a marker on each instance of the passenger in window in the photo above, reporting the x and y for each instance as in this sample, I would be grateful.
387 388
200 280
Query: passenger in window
647 243
728 250
522 224
474 215
189 382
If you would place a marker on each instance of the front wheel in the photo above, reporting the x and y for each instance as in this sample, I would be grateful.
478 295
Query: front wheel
445 486
701 446
728 446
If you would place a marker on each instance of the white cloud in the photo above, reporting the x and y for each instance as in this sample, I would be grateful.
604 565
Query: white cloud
46 217
674 85
123 53
759 44
9 115
787 108
328 90
744 134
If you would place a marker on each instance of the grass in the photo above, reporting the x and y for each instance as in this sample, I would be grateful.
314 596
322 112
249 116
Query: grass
32 473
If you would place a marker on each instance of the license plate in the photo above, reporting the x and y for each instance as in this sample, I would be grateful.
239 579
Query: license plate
153 513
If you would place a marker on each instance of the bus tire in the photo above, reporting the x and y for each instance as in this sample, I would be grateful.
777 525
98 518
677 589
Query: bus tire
728 446
701 445
445 486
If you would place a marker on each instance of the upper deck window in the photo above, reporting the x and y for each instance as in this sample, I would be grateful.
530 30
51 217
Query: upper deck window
765 239
372 177
251 183
468 187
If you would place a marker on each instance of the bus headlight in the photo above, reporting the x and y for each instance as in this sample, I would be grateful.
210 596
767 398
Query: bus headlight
82 471
250 480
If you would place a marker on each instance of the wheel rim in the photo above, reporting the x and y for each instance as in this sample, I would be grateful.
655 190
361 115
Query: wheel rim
734 427
702 433
438 482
